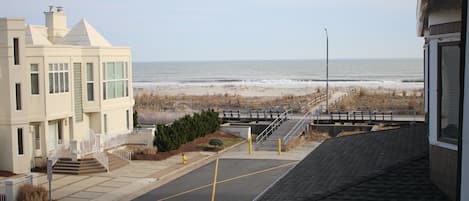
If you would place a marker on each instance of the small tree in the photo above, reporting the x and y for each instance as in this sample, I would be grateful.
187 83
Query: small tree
135 118
215 142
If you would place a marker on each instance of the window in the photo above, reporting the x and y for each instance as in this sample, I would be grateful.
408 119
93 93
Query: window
59 132
90 81
16 51
58 78
37 137
127 115
116 80
449 91
20 141
34 79
18 96
105 123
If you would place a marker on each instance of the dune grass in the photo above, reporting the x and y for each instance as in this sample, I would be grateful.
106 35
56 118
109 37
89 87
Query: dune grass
398 101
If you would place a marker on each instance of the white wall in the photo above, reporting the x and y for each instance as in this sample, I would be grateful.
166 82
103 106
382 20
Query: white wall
241 131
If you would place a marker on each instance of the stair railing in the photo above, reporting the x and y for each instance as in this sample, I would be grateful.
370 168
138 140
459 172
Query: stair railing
103 159
272 127
297 129
122 154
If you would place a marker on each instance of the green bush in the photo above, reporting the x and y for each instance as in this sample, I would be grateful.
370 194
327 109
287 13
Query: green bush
186 129
215 142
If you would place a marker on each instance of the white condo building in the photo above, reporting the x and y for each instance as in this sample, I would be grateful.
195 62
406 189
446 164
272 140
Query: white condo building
57 86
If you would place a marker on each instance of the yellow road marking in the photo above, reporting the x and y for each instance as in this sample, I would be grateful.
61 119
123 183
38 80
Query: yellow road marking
228 180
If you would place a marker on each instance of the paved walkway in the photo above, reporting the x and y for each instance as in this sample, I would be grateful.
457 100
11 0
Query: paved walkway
117 184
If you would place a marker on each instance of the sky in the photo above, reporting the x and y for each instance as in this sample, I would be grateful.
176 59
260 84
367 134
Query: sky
193 30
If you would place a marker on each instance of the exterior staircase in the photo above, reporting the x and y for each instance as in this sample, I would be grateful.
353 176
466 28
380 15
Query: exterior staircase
81 166
87 165
270 144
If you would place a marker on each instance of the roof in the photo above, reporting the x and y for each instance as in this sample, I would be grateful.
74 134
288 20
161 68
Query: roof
36 35
83 34
372 166
424 7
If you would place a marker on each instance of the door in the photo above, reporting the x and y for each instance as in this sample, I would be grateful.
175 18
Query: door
36 140
52 136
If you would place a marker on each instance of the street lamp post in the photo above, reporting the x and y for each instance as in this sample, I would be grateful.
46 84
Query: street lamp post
327 71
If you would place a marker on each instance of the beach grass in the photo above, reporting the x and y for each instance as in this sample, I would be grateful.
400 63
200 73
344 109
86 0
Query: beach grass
397 101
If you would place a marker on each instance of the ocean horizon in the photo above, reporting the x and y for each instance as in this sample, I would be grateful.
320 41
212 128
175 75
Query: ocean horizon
400 73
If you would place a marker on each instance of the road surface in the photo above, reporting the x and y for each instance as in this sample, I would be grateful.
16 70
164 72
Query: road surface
238 180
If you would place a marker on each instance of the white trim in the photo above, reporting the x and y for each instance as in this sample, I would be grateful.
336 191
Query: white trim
465 131
433 97
445 145
449 36
433 91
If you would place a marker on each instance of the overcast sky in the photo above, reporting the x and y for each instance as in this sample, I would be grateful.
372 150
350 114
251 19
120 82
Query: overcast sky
174 30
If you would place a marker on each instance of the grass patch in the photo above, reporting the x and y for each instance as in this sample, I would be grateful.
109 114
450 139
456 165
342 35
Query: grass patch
227 142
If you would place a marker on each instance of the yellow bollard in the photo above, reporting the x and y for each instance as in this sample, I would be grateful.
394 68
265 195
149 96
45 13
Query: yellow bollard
279 146
250 145
214 187
184 158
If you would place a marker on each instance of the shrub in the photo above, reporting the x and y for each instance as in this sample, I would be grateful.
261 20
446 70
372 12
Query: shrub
186 129
215 142
135 119
142 150
29 192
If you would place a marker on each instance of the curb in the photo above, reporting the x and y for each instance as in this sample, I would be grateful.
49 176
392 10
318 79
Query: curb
160 181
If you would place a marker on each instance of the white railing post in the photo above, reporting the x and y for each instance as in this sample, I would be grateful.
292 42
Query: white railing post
97 143
74 149
9 190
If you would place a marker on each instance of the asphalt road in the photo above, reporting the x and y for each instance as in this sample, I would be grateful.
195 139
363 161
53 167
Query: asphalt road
238 180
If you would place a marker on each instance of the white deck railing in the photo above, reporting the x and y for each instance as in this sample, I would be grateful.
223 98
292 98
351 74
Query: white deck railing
9 187
122 154
103 159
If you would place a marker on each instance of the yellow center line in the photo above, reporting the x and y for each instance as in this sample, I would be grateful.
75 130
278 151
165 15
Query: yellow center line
228 180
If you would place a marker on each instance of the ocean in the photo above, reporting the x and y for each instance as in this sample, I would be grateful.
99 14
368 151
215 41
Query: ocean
401 73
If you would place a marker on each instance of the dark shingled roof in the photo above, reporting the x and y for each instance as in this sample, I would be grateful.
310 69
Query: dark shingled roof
385 165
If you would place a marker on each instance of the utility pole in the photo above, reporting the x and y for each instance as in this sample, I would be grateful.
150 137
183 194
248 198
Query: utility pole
327 71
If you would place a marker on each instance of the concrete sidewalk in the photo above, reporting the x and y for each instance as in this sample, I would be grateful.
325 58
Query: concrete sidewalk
120 183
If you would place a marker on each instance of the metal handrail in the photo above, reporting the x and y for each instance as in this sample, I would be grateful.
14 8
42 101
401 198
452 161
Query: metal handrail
296 128
272 126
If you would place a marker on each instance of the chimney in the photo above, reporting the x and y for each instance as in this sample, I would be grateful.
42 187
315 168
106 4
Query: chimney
56 23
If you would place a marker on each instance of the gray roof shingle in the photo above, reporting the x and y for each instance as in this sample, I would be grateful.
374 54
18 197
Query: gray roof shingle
343 168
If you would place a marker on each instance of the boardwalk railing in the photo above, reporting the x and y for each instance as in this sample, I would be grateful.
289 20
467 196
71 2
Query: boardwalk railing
315 101
369 116
272 127
297 129
250 114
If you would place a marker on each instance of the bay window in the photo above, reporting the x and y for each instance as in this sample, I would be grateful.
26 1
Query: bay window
449 103
116 80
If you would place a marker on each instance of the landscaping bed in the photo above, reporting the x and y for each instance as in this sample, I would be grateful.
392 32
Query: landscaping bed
4 173
198 144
